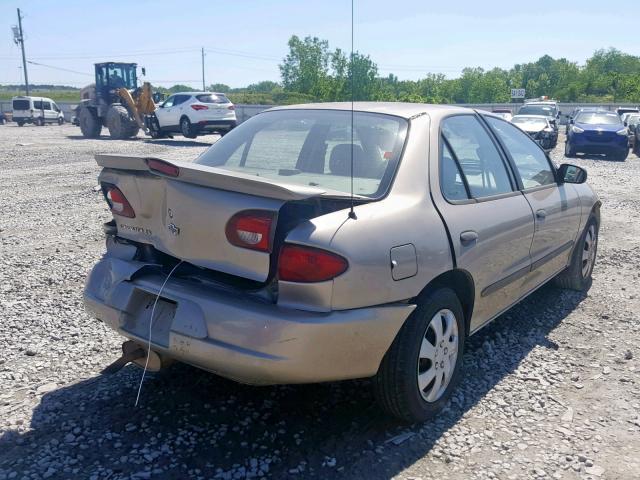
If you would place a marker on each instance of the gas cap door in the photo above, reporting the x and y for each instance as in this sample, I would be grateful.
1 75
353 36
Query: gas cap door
404 261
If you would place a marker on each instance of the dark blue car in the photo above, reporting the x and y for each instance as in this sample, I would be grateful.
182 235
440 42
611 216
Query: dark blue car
597 132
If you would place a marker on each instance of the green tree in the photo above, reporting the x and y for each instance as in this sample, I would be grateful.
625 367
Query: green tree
305 68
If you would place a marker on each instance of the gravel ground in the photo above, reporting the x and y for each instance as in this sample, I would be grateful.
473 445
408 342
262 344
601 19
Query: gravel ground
551 388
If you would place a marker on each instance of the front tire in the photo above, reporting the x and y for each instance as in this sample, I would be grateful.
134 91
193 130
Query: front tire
60 121
20 124
569 150
577 275
424 363
120 123
186 128
622 155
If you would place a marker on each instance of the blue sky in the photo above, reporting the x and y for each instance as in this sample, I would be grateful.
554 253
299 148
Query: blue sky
246 39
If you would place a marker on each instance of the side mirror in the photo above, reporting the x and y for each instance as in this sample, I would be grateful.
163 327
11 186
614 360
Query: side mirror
571 174
625 124
161 105
571 121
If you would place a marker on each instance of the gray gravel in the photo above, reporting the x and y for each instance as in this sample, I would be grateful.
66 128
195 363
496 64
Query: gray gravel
551 390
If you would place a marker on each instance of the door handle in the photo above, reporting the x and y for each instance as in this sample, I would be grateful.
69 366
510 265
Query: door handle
541 214
468 236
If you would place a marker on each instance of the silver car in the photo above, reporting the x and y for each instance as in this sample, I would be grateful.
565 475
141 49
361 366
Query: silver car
313 244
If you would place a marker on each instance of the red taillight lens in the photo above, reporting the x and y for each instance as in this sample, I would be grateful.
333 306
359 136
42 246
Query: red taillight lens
231 107
118 203
162 167
251 229
199 107
298 263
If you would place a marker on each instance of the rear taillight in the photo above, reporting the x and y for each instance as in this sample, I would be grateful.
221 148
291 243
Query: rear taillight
231 107
251 229
199 107
160 166
298 263
118 203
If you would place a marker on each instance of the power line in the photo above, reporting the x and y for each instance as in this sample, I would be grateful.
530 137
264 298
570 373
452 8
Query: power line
59 68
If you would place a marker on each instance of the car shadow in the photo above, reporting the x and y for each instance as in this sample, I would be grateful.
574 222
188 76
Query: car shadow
189 419
102 137
178 143
594 156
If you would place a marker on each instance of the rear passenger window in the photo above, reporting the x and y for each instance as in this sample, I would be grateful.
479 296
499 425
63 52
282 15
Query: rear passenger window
531 162
470 146
37 104
451 182
46 105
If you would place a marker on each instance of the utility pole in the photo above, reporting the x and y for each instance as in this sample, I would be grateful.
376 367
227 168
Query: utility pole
18 38
203 87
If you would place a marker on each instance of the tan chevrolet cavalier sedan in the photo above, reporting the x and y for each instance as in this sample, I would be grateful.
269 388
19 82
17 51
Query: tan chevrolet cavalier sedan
310 245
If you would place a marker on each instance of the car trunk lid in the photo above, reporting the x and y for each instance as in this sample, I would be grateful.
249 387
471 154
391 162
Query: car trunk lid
186 215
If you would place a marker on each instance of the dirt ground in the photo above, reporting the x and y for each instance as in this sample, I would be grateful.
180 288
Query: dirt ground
551 388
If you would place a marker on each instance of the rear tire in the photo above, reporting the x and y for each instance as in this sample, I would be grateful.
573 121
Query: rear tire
424 363
90 124
20 124
120 123
569 151
577 276
186 128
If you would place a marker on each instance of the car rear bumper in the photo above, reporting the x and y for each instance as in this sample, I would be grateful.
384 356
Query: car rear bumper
217 124
238 336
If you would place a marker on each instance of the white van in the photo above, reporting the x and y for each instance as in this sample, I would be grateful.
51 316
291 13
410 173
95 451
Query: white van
37 110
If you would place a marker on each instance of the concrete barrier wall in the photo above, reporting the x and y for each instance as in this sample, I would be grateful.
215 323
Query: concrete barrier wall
243 112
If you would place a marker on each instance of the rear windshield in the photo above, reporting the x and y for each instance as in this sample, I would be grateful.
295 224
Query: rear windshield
598 118
21 105
313 148
546 110
212 98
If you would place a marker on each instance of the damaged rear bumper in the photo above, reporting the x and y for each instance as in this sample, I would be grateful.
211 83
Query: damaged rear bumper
236 335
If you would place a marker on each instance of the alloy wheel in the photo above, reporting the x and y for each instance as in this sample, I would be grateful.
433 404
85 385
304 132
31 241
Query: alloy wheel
438 355
589 251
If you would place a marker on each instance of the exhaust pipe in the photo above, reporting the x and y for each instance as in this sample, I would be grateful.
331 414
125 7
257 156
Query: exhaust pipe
135 353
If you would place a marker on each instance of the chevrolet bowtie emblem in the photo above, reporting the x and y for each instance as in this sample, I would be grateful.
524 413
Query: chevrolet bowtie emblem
174 229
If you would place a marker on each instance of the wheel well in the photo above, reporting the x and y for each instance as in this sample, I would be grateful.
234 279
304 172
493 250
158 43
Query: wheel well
185 116
461 282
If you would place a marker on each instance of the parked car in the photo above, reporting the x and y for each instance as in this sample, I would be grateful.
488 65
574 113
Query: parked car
631 122
193 114
299 249
505 113
36 110
598 132
622 110
538 128
636 142
548 109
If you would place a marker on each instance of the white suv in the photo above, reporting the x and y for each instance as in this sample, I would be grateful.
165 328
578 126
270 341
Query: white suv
193 114
37 110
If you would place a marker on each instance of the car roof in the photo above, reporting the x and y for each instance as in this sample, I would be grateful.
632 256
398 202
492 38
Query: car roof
24 97
198 93
399 109
542 117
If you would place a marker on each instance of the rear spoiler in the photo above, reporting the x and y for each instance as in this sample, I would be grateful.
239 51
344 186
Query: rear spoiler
213 177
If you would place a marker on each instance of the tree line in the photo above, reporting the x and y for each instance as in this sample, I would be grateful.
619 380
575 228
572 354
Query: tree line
312 71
